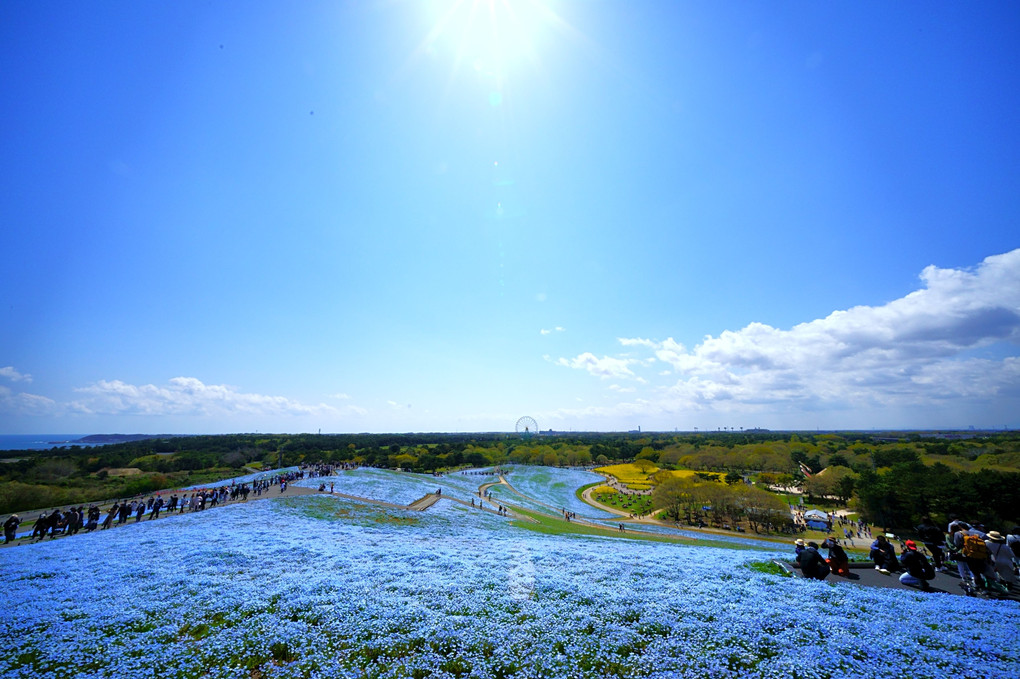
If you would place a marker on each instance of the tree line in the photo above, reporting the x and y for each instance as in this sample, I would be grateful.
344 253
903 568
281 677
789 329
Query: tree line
893 479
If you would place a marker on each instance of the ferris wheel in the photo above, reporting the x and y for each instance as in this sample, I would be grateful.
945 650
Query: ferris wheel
526 426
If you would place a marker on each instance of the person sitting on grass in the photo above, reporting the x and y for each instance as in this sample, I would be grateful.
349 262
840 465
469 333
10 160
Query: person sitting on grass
812 565
838 561
918 570
883 553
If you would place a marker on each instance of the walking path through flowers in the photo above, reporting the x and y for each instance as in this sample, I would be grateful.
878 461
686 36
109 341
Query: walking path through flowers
484 502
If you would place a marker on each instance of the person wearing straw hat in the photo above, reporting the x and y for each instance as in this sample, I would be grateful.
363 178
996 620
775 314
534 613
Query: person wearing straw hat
1002 558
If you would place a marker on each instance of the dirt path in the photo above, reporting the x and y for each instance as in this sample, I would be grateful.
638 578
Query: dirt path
421 504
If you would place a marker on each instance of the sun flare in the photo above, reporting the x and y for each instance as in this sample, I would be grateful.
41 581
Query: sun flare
492 37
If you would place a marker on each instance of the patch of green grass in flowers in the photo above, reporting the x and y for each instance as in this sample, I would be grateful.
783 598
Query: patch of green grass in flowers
71 616
281 652
39 576
769 568
456 666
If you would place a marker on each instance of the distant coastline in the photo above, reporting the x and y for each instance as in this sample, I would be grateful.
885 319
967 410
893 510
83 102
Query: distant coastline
47 441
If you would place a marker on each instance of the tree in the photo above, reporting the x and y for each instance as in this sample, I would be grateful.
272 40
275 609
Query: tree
681 499
648 453
845 488
763 509
733 477
827 483
645 465
838 460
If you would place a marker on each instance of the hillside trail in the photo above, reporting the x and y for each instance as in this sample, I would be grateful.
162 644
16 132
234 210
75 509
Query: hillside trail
580 520
421 504
626 518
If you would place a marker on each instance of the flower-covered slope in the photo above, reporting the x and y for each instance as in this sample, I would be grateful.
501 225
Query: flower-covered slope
316 586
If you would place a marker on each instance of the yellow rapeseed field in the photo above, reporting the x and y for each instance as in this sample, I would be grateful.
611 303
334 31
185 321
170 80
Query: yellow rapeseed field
638 477
687 473
630 475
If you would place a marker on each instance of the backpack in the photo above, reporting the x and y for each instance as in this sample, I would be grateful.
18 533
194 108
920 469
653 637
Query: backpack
927 570
974 548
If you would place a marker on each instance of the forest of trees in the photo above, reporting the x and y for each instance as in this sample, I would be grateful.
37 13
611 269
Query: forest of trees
892 479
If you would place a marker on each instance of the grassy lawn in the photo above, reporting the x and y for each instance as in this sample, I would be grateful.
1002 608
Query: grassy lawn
632 504
550 525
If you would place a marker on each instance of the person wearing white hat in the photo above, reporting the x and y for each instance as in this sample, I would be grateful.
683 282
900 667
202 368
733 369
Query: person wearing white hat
1002 558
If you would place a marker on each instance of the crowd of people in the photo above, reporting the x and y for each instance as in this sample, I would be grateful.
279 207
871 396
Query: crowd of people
71 520
986 561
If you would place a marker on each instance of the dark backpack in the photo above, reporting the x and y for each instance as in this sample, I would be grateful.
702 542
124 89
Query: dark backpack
927 570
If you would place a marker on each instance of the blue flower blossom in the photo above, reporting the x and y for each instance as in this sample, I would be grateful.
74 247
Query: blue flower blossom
320 586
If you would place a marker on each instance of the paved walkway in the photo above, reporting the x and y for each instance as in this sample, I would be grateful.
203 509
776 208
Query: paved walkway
273 492
866 575
291 490
861 574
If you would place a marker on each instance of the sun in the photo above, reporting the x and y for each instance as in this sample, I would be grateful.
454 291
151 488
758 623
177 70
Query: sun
492 37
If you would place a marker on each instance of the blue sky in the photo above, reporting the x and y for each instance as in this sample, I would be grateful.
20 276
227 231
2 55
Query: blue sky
441 216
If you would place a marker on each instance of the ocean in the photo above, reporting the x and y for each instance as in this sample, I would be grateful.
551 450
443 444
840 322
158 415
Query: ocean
37 441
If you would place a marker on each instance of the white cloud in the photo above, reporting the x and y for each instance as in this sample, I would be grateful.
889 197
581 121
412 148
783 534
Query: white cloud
605 367
25 404
544 331
955 338
10 373
189 396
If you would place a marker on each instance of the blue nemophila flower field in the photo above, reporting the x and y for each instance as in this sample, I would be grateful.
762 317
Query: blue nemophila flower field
555 488
317 586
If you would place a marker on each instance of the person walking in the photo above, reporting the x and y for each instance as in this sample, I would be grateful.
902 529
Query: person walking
1002 559
11 528
933 539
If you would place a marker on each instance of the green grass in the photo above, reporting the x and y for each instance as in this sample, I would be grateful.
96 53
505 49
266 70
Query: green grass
549 525
769 568
638 504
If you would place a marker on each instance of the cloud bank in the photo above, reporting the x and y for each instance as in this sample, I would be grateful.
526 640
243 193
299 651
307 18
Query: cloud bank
955 338
190 396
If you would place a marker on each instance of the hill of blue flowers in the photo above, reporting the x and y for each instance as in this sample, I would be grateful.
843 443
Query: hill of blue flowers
318 586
